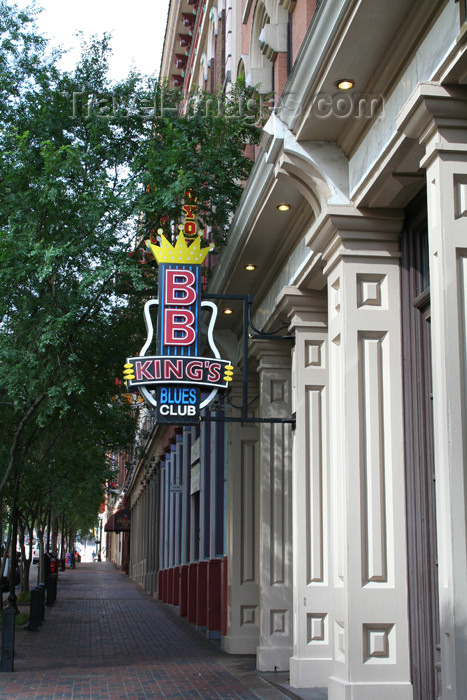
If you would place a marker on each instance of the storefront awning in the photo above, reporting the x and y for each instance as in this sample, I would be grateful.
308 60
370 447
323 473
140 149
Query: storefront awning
119 522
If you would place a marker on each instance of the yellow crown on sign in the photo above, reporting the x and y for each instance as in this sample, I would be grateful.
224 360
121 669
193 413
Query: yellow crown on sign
181 253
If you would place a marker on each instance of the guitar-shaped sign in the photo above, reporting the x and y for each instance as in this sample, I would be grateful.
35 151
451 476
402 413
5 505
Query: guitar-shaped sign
178 381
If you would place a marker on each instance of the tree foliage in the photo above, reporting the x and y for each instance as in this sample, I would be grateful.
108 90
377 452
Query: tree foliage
198 146
88 168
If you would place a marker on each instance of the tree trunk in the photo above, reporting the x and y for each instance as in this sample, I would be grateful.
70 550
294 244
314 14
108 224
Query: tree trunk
5 553
55 536
26 558
40 537
17 435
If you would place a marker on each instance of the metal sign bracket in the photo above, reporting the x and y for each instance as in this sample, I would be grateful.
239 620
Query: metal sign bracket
247 300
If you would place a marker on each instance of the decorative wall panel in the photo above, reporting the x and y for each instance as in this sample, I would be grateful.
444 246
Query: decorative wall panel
314 406
248 486
374 526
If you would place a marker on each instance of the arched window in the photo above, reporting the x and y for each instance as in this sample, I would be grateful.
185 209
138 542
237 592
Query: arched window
260 65
203 70
213 30
268 38
241 69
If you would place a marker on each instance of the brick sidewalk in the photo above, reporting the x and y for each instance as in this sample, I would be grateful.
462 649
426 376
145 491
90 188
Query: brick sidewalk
106 639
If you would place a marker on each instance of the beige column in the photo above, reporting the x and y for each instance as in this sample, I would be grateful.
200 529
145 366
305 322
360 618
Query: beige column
151 562
133 540
312 659
242 528
437 117
275 545
156 545
368 628
145 499
135 551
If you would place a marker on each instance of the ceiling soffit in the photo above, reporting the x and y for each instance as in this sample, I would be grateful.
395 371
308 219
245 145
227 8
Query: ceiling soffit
306 176
374 44
352 39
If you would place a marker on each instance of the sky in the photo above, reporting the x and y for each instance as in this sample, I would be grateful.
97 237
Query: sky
137 28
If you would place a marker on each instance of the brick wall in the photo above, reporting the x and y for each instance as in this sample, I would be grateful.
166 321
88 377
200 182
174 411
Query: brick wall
280 74
301 19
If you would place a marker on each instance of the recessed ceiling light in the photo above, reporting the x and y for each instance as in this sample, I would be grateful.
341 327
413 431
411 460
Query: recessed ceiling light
250 267
345 84
283 207
228 311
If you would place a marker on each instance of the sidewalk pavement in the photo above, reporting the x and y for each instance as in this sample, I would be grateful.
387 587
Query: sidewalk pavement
106 639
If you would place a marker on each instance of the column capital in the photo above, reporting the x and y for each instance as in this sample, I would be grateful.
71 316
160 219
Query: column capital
437 117
272 354
304 309
347 232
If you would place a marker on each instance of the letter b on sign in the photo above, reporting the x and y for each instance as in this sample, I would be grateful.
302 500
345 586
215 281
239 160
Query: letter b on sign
178 327
179 288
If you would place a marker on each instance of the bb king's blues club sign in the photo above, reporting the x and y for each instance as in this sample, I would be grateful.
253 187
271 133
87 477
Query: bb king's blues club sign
178 381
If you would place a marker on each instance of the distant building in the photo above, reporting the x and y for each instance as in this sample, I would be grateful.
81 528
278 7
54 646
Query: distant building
333 546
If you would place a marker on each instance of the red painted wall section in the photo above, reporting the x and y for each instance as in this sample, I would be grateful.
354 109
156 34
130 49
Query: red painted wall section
169 589
200 592
176 585
202 598
213 620
183 591
192 592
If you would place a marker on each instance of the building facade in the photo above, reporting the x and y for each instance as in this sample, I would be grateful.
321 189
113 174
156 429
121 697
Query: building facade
327 533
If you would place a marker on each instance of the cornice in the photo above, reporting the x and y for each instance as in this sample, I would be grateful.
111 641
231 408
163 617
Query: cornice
318 171
252 198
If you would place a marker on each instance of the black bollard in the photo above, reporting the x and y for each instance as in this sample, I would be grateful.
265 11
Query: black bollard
41 588
35 610
8 640
51 589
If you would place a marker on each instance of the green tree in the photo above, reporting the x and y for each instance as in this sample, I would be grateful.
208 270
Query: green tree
67 211
88 168
198 147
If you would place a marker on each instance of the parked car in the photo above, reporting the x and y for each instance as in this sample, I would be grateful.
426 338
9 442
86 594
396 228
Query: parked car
35 554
